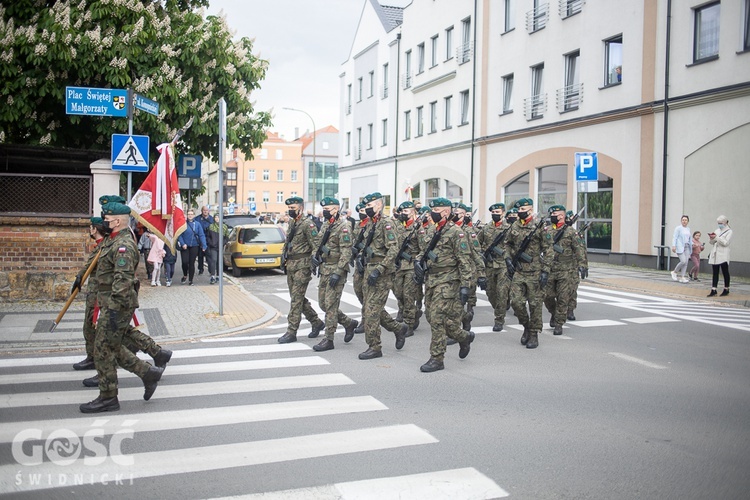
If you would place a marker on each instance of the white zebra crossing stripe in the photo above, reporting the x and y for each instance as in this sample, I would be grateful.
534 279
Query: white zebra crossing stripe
456 484
166 391
639 361
218 457
650 319
199 417
592 323
229 366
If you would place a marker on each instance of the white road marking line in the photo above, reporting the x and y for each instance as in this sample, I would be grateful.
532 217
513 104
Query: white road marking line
650 319
456 484
229 366
165 391
199 417
592 323
648 298
228 456
639 361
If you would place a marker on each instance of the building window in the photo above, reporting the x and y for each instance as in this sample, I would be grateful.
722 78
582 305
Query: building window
371 90
453 191
325 145
279 175
599 213
508 93
553 187
358 150
266 196
369 136
359 89
349 99
746 37
447 101
293 194
536 18
407 125
385 80
510 15
464 107
613 60
433 117
232 174
266 175
434 51
432 190
449 43
294 176
407 75
279 154
536 102
571 94
420 58
464 51
279 196
706 32
420 121
263 154
570 7
251 174
251 196
348 143
516 189
384 132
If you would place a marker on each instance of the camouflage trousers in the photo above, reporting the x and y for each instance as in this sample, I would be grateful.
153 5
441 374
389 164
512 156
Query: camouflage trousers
471 303
445 316
357 281
133 338
559 294
405 290
498 291
329 298
574 299
109 351
89 329
298 276
374 315
525 288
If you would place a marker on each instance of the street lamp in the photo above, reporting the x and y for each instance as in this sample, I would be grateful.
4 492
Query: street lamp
315 161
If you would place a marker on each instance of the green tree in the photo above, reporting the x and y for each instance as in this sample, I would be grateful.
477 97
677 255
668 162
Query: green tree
166 50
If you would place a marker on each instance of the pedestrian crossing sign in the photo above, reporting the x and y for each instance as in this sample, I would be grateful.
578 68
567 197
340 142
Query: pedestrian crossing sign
130 152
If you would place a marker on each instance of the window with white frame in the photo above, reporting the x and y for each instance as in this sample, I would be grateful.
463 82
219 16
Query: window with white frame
420 121
508 93
279 154
279 175
510 15
464 107
294 175
516 189
613 60
369 136
279 196
266 196
433 117
348 98
447 102
251 196
371 84
420 58
706 33
572 91
407 75
251 174
465 49
266 175
433 51
358 150
348 143
264 154
537 99
407 125
384 132
359 89
385 80
449 43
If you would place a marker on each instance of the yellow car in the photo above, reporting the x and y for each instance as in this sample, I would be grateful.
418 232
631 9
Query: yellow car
254 246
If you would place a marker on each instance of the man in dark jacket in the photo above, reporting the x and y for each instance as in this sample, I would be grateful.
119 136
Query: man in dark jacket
205 220
190 243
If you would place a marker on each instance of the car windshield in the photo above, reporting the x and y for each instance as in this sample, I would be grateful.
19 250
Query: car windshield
236 220
261 235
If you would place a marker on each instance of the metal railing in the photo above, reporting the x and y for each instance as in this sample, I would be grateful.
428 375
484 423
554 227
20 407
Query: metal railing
536 19
535 106
567 8
464 52
46 194
406 80
569 97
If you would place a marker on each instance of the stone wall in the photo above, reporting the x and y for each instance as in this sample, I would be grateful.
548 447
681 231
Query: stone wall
40 256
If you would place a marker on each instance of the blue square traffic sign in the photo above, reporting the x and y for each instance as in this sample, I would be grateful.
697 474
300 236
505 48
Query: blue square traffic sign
130 153
587 167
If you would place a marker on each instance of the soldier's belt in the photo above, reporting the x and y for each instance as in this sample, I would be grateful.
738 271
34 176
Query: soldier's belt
438 269
332 258
375 260
105 288
298 256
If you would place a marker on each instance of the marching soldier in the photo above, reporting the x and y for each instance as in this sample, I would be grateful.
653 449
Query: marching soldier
424 216
492 237
463 221
117 299
404 286
566 258
357 277
379 255
332 260
528 270
297 255
445 266
583 272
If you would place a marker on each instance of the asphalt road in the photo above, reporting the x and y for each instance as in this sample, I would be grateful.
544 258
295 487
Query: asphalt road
631 402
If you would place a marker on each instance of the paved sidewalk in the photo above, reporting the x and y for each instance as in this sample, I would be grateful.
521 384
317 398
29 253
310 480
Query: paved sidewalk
180 312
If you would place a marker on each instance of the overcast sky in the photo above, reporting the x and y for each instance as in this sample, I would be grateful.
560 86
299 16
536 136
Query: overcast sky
305 42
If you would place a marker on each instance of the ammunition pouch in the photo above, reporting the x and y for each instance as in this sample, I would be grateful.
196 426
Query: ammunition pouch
558 248
526 258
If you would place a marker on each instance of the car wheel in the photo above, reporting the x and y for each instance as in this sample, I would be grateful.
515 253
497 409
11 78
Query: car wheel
236 271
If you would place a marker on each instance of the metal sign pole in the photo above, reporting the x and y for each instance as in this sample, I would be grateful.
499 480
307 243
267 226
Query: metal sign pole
130 132
222 147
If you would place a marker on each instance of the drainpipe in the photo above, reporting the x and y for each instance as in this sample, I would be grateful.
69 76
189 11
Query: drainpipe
473 107
665 156
394 203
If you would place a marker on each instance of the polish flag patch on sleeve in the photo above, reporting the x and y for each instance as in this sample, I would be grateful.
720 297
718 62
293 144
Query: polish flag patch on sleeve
122 250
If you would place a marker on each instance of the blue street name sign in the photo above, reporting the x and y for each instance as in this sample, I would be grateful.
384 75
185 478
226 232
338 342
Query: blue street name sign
130 153
146 104
587 167
189 166
96 102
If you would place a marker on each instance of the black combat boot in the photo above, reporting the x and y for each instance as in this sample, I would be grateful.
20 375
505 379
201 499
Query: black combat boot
451 342
100 405
86 364
150 379
498 327
558 330
533 342
525 336
323 345
571 316
91 381
400 316
162 358
465 346
401 336
432 365
349 331
316 329
287 338
360 328
371 353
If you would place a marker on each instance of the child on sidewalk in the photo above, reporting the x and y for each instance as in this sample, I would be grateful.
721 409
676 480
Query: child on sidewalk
695 257
156 257
169 261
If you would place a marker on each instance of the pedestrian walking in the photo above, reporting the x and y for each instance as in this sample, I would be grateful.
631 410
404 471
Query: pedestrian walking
695 256
719 239
190 242
156 258
682 245
169 260
205 220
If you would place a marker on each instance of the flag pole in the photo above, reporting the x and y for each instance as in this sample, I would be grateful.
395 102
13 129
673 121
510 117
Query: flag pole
222 146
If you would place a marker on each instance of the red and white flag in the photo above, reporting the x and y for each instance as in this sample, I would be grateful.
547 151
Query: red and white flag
157 203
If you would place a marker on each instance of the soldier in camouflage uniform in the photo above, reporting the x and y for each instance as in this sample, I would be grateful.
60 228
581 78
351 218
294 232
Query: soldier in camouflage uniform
298 250
528 270
117 299
380 256
404 286
332 259
424 215
566 258
462 215
498 284
360 232
447 256
583 272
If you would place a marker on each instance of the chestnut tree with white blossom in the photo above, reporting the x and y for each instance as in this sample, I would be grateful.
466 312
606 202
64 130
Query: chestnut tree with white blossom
166 50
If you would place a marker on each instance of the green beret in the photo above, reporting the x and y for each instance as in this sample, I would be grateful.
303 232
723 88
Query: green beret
513 210
463 207
294 200
424 209
113 208
111 198
497 206
555 208
374 196
569 214
524 202
440 202
406 204
329 200
360 206
97 221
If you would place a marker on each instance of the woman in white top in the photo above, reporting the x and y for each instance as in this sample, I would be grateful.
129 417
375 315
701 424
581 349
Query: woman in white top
719 256
682 245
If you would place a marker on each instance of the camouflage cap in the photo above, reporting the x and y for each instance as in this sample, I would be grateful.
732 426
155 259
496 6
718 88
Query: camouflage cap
329 200
555 208
406 204
294 200
497 206
112 208
96 221
111 198
440 202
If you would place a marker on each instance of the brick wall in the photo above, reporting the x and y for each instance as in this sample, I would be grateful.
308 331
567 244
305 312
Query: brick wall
40 256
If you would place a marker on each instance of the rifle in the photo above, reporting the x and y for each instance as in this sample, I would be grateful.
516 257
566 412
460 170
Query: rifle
521 253
360 261
420 266
585 228
402 253
358 245
317 259
287 246
75 292
488 256
556 242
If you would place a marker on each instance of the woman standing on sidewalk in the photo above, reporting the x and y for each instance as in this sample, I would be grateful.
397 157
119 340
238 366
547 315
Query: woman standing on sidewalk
719 256
682 245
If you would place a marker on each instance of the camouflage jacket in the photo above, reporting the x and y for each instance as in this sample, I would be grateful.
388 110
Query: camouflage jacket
337 250
302 246
384 246
540 245
91 283
452 260
115 272
487 235
476 250
408 230
567 255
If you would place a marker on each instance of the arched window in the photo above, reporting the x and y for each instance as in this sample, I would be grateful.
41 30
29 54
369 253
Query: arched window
516 189
599 213
553 187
